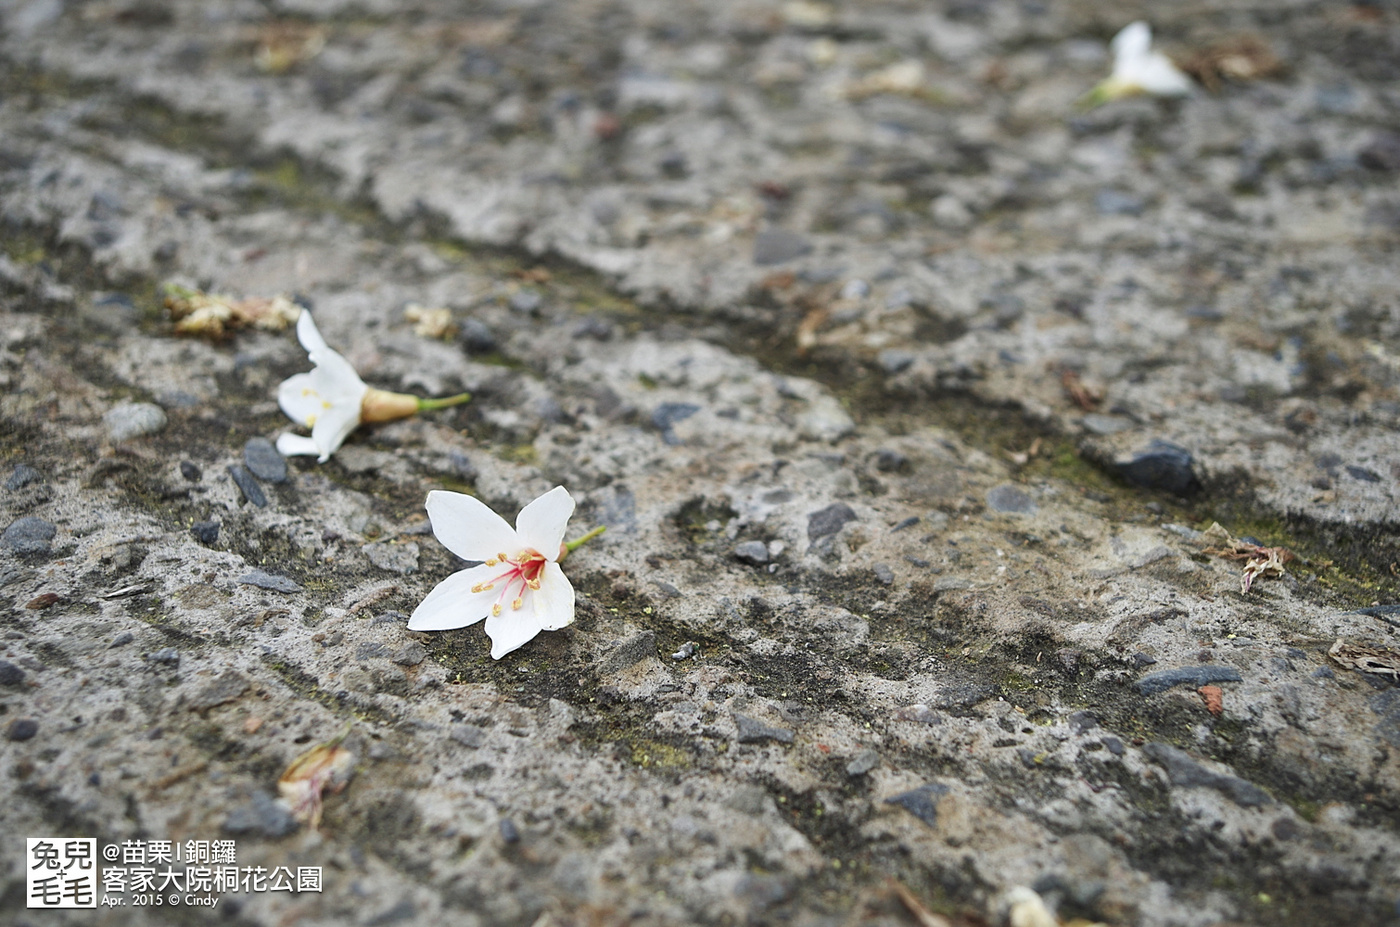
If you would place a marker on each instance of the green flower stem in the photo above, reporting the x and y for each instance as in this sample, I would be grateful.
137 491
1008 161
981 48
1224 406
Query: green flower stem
570 545
428 405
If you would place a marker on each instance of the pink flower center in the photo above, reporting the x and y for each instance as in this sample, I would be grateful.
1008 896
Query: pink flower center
522 574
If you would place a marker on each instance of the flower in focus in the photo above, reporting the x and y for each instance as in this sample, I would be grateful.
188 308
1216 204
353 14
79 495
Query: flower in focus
327 765
1138 69
517 586
332 400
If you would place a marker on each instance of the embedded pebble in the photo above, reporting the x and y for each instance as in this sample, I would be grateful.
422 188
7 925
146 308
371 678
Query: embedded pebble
22 476
864 761
755 552
262 815
395 558
1186 772
921 802
829 520
1162 466
247 485
752 731
22 729
261 458
226 688
1163 680
264 580
122 639
628 652
190 471
1010 499
29 535
778 246
132 420
10 675
205 532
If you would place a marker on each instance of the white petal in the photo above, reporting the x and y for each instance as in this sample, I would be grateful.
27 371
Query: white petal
1159 76
308 334
333 426
290 445
541 524
298 398
1131 42
510 630
452 604
466 526
553 602
334 374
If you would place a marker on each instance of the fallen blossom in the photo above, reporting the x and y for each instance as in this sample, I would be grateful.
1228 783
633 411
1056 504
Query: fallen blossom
1260 561
332 400
217 316
1137 69
324 766
430 323
518 585
1377 660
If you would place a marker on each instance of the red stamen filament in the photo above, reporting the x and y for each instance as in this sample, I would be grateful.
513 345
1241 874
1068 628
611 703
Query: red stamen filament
525 569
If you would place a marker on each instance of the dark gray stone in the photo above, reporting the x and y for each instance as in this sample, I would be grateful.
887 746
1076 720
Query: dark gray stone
922 802
1162 680
630 651
778 246
263 461
1382 153
122 639
262 815
191 471
29 535
226 688
526 302
371 650
1105 424
1113 745
410 654
476 338
752 731
1081 721
887 461
1185 772
894 360
22 729
1386 705
863 762
1363 474
468 735
248 486
1010 499
829 520
22 476
755 552
884 574
509 832
1162 466
10 675
1117 203
666 415
265 580
166 656
909 522
205 532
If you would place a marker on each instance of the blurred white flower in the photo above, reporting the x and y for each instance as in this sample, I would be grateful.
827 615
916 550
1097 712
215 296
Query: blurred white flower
1138 69
518 587
332 400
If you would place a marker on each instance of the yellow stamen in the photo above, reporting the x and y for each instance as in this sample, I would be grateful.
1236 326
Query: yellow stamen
496 610
483 587
503 558
492 562
533 583
517 603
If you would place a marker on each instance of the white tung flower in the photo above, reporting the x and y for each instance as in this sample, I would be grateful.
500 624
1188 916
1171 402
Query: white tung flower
518 586
332 400
1139 69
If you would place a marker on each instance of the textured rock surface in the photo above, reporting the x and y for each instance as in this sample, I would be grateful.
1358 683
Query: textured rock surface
903 386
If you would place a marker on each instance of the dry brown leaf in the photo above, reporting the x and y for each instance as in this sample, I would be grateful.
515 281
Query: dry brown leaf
1377 660
1244 57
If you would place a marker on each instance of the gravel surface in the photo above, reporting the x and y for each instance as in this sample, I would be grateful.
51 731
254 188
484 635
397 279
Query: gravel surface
908 389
